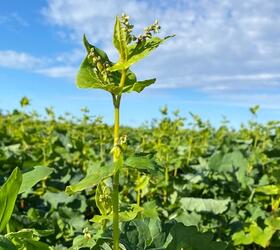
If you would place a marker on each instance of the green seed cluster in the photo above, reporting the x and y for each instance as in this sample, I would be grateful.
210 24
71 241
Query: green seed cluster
87 233
128 27
105 198
100 68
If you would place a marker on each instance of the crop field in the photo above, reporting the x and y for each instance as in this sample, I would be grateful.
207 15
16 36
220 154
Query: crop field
176 183
185 177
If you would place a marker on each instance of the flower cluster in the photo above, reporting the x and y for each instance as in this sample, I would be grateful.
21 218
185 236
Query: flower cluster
149 31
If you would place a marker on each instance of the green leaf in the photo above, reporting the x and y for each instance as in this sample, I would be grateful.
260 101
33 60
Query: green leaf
189 219
105 244
54 199
150 210
87 77
138 51
82 242
119 40
97 175
254 109
227 162
273 222
268 189
142 163
127 215
254 234
8 196
130 214
138 234
5 244
142 182
204 205
99 52
103 198
230 162
139 86
100 218
141 234
30 178
28 239
189 238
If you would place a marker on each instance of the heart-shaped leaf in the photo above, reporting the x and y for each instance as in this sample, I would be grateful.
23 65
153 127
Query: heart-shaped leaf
94 74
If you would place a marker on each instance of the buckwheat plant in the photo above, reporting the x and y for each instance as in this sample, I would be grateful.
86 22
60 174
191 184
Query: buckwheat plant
97 71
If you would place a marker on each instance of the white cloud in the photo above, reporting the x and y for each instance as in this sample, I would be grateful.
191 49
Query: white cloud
58 66
18 60
59 71
72 57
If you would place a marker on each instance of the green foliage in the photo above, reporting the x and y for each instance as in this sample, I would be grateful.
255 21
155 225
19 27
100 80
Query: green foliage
254 109
15 184
254 234
188 238
33 176
97 174
137 52
6 244
204 205
8 195
233 162
24 102
142 163
269 189
27 239
206 192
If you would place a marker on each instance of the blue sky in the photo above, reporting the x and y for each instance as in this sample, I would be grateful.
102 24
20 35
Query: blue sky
224 59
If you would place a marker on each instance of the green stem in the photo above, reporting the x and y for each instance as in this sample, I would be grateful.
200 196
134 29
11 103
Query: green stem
116 233
166 179
175 172
138 191
190 151
101 147
116 158
139 197
8 228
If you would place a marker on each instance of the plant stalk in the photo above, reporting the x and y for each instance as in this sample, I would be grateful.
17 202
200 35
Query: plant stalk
116 233
116 158
8 228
